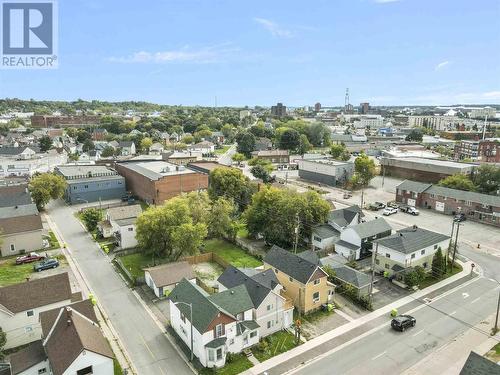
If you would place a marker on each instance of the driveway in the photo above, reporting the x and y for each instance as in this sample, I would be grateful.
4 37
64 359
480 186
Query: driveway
148 347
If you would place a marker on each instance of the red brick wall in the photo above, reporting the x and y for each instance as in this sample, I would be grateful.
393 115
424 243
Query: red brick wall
415 175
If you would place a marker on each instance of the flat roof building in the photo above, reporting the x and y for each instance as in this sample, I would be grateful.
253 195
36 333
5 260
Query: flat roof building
325 171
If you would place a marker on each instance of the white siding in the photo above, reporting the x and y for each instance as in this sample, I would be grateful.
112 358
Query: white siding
27 241
101 365
33 370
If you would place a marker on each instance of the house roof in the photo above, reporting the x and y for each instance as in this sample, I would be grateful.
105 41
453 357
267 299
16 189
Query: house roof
35 293
216 343
235 300
126 144
325 231
293 265
17 150
344 216
371 228
479 365
124 212
71 334
258 286
351 276
347 245
415 186
49 317
246 325
271 153
490 200
16 211
27 357
14 195
409 240
171 273
204 311
19 224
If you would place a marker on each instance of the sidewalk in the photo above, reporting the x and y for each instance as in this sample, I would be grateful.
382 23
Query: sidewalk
104 322
411 300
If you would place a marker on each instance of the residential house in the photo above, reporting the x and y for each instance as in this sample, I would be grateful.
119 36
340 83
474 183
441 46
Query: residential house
212 330
356 241
21 227
205 147
479 207
263 144
31 360
156 149
127 148
182 158
344 274
91 183
272 309
273 156
408 248
114 144
120 223
302 278
19 153
21 305
162 279
218 138
99 134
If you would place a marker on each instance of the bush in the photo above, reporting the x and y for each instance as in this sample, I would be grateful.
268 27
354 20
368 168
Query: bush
91 217
415 277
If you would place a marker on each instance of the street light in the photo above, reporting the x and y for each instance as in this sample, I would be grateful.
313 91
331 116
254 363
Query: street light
190 321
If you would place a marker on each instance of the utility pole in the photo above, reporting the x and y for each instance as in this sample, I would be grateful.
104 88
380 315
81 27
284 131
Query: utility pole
383 174
495 330
374 255
296 234
362 196
448 249
455 247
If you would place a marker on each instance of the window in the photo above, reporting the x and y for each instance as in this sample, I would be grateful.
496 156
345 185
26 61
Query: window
424 265
239 317
270 323
316 297
269 307
231 342
291 279
183 318
253 334
387 255
130 229
219 330
377 261
219 354
211 355
386 266
413 256
317 281
435 247
29 312
85 371
42 371
276 270
316 238
12 247
86 186
422 252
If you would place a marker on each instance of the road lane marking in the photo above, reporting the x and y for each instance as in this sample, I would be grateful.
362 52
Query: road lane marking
147 346
477 299
465 295
378 356
161 370
418 333
453 313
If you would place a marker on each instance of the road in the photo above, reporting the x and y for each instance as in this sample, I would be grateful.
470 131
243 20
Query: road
226 158
148 348
384 351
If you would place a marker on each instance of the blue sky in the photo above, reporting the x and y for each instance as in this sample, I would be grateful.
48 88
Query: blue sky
260 52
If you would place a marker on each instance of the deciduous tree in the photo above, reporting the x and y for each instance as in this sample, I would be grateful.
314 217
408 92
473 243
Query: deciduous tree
458 181
45 143
46 186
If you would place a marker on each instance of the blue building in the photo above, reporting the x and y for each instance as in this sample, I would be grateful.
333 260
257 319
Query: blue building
91 183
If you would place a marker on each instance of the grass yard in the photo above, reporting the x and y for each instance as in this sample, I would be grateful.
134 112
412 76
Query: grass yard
494 353
277 343
238 364
223 150
429 280
54 243
231 253
13 274
136 262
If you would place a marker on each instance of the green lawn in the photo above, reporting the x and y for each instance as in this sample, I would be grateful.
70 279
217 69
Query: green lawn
220 151
136 262
429 280
54 243
12 274
238 364
231 253
277 343
117 369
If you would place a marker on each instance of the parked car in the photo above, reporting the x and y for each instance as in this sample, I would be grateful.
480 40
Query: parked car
459 217
393 204
347 195
389 211
376 206
402 322
410 210
28 258
46 264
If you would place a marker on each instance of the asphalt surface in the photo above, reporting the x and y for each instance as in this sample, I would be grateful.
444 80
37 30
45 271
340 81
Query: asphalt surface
384 351
148 348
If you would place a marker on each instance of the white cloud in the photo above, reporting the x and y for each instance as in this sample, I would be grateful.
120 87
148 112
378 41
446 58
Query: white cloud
185 54
386 1
274 28
492 95
441 65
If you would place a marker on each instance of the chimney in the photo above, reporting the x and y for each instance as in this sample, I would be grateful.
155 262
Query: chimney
69 315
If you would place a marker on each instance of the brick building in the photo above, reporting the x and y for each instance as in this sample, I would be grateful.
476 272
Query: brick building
273 156
157 181
41 121
477 207
485 150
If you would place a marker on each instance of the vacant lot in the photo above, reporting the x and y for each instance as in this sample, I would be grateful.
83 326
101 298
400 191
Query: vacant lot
273 345
231 253
134 263
208 272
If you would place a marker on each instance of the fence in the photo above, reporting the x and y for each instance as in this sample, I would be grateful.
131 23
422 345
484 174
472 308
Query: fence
207 257
103 206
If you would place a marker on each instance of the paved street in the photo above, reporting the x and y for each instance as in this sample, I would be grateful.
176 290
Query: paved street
226 158
148 348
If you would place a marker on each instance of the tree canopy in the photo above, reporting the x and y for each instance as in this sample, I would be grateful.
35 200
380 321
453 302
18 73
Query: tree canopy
231 183
364 170
339 152
46 186
458 181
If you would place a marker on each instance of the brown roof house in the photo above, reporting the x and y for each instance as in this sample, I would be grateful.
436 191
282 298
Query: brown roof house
20 223
72 343
163 279
21 304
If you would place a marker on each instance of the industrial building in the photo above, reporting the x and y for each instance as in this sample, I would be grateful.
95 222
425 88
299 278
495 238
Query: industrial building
325 171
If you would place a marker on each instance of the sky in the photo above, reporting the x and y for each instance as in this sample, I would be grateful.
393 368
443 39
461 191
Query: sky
187 52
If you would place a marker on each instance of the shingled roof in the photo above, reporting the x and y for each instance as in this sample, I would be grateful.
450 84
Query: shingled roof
372 228
48 318
235 300
27 357
344 216
35 293
412 239
479 365
291 264
170 273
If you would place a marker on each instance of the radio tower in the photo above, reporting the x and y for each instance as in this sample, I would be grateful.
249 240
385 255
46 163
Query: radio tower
346 104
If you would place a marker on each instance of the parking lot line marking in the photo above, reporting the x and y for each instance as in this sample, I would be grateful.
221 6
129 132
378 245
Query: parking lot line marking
418 333
378 356
477 299
453 313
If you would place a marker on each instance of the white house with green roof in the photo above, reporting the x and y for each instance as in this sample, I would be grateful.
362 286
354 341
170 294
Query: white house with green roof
220 323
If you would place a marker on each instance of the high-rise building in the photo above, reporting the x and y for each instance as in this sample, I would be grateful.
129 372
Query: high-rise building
364 108
317 107
278 110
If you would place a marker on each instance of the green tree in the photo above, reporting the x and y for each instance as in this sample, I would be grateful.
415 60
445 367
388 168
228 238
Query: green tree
186 239
146 143
221 221
438 266
232 184
339 152
199 206
259 171
238 158
304 145
91 217
415 136
187 139
289 140
246 143
88 145
45 143
458 181
318 134
414 277
46 186
107 152
3 341
487 179
364 170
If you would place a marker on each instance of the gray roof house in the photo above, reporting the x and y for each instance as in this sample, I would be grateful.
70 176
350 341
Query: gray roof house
478 365
163 278
348 275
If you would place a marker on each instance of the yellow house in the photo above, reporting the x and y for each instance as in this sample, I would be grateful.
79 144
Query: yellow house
301 276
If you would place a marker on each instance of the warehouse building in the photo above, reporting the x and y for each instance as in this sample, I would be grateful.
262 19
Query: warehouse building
325 171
